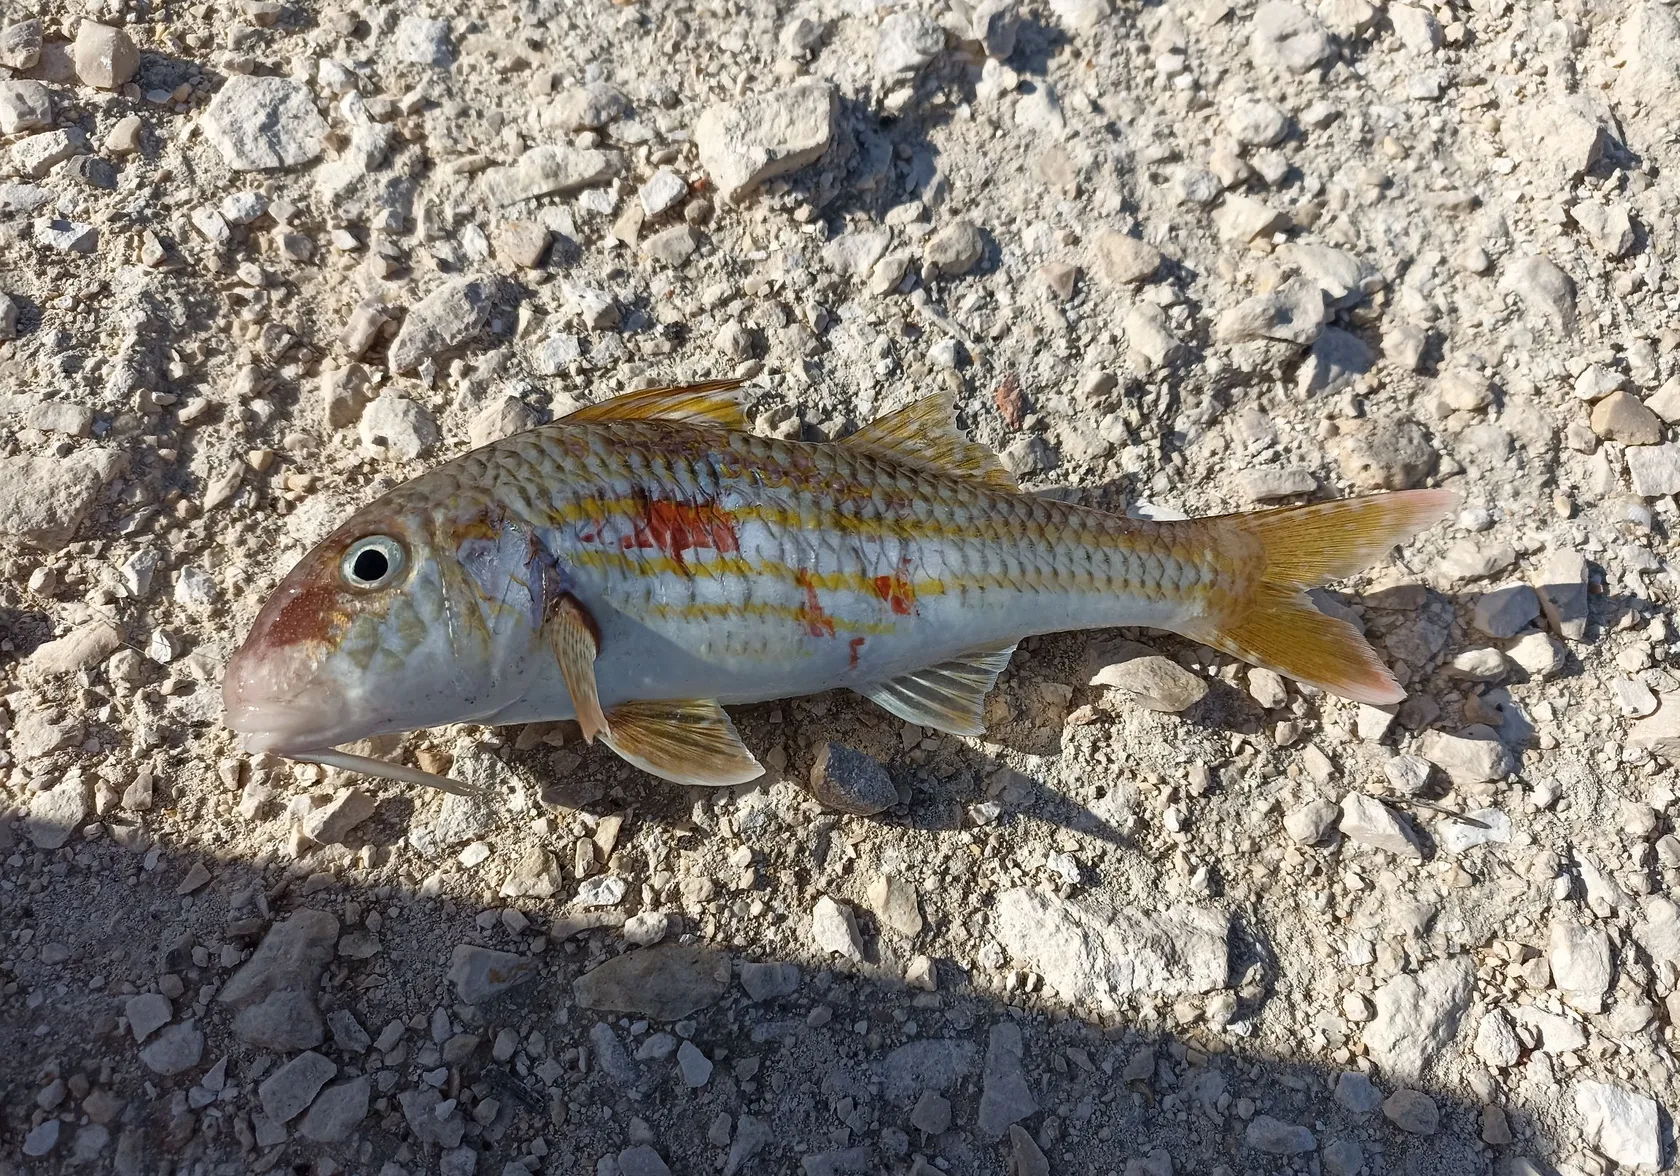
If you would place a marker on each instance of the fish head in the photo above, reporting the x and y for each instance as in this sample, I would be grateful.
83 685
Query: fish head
364 636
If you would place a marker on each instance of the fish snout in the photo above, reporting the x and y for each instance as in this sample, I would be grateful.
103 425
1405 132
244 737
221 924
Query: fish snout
277 700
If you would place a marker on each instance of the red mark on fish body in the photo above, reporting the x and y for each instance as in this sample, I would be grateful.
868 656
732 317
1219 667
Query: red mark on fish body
676 527
897 590
817 622
852 653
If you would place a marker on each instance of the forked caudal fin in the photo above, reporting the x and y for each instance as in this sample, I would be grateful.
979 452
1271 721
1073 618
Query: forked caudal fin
1270 622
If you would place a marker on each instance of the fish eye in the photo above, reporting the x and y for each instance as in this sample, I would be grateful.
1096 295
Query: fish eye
373 562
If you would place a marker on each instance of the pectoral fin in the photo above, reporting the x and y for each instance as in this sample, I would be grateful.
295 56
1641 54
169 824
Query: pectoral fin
689 742
946 697
575 641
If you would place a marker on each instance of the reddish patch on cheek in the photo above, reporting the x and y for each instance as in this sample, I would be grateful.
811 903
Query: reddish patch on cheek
897 591
817 622
856 645
297 614
675 527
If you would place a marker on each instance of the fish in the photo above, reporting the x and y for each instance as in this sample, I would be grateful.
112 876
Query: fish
646 561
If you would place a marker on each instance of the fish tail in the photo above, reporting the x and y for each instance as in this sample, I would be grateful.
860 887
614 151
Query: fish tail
1266 618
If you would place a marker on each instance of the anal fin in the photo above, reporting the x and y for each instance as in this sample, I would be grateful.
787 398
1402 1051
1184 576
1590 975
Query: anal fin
691 742
947 697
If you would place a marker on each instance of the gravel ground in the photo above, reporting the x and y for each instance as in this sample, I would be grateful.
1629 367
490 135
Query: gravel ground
260 260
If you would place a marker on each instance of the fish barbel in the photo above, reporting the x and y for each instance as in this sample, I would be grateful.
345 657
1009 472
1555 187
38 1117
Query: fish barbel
642 562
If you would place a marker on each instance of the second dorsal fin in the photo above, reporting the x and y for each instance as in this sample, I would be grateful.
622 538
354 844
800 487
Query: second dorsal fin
925 434
712 402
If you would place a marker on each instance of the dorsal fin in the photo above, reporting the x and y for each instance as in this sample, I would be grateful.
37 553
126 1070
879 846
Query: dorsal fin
925 434
713 403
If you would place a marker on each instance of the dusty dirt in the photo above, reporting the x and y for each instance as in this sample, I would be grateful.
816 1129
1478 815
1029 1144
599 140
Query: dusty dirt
261 260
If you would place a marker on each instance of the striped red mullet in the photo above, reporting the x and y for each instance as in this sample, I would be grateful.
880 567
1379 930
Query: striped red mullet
647 560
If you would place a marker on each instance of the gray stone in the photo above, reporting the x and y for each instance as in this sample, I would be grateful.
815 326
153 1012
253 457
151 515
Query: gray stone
42 1138
667 982
419 1108
1467 760
333 821
147 1013
24 106
37 154
337 1111
549 171
1505 612
836 1161
1342 1157
1287 39
1024 1154
1654 469
672 246
1122 260
1386 454
588 108
1413 1112
641 1161
1005 1097
1344 279
1278 1138
263 123
56 813
834 929
284 1020
896 904
953 250
274 990
611 1058
995 25
769 981
906 40
1096 958
1563 588
1255 122
743 144
1496 1040
421 40
854 254
287 1091
751 1136
694 1066
1312 822
933 1064
397 428
176 1049
1608 227
1336 360
65 236
1418 1016
1580 962
1357 1093
662 191
20 44
1369 822
849 781
932 1114
347 1032
1153 682
1294 312
481 973
1271 483
105 57
1625 1126
1545 291
445 318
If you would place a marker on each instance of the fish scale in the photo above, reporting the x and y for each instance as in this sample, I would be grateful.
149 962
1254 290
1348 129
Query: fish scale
647 559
